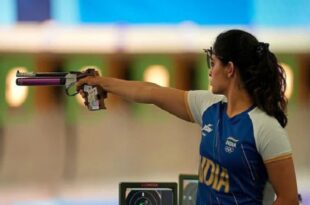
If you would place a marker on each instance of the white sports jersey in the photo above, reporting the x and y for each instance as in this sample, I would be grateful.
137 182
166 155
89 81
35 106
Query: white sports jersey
234 150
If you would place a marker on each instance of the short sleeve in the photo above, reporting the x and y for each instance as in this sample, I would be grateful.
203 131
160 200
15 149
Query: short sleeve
198 101
271 139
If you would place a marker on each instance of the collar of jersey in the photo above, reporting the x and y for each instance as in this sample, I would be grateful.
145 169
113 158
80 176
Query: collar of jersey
238 116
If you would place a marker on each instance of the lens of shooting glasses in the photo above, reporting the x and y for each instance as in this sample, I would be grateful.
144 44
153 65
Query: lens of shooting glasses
209 57
209 60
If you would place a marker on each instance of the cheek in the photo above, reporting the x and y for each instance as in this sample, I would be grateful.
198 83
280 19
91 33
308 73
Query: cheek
214 73
218 79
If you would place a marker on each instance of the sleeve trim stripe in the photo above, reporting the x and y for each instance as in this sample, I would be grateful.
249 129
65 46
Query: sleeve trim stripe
189 113
281 157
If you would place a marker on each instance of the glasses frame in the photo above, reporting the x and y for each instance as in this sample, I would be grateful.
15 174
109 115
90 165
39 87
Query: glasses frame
209 52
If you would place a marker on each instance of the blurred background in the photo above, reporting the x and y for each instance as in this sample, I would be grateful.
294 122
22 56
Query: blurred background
54 151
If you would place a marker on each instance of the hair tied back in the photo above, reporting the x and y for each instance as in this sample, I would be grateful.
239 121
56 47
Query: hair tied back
262 49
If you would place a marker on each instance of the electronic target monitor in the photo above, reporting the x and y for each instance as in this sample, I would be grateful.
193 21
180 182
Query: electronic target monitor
148 193
188 189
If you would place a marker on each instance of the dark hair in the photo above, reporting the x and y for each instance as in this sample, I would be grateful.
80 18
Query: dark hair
260 73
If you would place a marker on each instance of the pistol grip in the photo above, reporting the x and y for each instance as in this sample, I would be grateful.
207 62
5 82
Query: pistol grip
102 95
94 98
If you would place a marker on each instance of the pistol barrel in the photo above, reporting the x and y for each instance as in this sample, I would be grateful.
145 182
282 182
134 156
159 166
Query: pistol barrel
41 81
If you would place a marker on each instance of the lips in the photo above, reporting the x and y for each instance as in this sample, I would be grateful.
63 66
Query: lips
210 81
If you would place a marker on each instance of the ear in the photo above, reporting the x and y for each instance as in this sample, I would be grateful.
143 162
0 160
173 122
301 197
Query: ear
230 69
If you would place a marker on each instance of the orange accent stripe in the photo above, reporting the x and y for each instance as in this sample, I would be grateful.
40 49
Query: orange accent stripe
281 157
189 113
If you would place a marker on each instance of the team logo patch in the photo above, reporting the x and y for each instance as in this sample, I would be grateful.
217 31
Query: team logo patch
207 128
230 144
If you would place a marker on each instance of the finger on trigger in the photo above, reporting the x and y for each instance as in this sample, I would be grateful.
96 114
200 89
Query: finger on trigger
79 82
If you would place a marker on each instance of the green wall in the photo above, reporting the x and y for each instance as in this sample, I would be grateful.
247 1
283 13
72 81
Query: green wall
7 114
292 61
202 73
139 64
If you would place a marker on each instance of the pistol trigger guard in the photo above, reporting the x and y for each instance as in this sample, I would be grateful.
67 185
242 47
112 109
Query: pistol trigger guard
71 79
68 88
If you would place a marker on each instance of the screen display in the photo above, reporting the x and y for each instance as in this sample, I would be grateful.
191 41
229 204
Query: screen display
149 196
188 189
148 193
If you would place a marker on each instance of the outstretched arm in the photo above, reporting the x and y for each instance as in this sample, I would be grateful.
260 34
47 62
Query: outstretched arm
169 99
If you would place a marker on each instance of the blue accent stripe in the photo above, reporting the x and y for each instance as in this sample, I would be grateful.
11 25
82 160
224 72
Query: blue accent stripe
203 12
279 13
7 12
65 11
282 13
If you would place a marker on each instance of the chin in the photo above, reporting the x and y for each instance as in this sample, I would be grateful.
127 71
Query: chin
215 91
212 89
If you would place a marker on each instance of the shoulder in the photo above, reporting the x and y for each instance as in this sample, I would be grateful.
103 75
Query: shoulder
263 123
199 101
271 138
204 97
